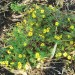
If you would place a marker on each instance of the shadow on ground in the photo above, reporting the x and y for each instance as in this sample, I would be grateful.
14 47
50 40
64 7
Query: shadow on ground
4 71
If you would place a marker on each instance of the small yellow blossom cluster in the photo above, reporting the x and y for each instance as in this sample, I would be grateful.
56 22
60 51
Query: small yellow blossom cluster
56 23
58 37
11 47
30 33
42 36
18 23
33 15
42 11
24 44
51 7
68 19
42 44
31 10
72 27
5 63
69 36
8 51
19 65
59 54
65 54
24 21
20 56
46 30
37 56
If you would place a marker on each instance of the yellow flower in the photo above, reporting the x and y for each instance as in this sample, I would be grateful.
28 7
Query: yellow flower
25 44
31 10
8 51
2 63
20 55
68 19
56 55
48 29
65 54
51 7
56 23
42 36
42 11
71 27
68 36
19 65
6 63
33 15
37 55
27 66
44 31
11 47
42 44
24 21
59 54
58 37
30 33
69 57
71 42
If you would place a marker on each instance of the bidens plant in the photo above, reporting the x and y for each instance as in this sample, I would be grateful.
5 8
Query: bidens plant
32 40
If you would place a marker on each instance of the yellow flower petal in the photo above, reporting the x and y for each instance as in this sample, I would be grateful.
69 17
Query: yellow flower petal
65 54
24 21
44 31
25 44
37 55
69 57
30 33
42 44
42 11
11 47
33 15
71 27
19 65
20 55
56 23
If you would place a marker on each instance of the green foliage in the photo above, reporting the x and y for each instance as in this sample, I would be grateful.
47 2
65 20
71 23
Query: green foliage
32 40
17 7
